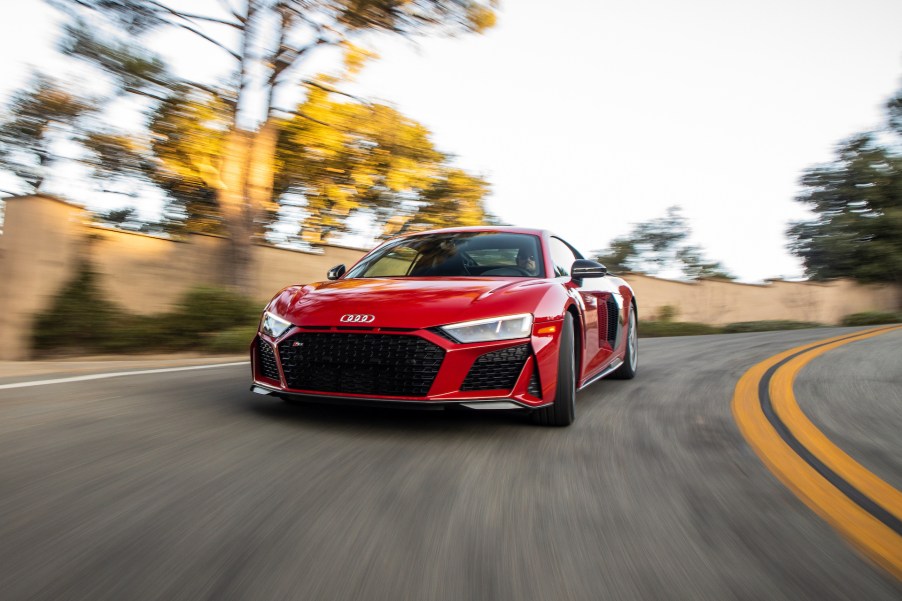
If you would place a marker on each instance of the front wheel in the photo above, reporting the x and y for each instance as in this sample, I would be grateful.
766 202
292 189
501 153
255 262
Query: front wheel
563 411
630 366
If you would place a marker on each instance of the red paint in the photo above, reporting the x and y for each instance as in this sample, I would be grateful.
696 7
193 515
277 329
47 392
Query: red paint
419 303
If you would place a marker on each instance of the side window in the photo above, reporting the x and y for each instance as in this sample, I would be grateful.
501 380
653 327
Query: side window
562 257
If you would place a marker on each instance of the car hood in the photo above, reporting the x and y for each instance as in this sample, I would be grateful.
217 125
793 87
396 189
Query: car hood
407 302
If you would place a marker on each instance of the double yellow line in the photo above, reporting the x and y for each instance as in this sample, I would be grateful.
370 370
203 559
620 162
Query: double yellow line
864 508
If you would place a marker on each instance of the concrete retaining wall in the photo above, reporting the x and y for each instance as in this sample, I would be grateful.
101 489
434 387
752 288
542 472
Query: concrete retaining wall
45 239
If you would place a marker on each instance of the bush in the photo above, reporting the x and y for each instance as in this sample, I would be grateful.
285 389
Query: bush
653 329
768 326
234 340
871 318
78 317
82 320
667 313
207 309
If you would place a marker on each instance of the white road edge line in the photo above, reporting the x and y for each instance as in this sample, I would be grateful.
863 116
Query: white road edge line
117 374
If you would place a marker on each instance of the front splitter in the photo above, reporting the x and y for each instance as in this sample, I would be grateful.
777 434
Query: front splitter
480 404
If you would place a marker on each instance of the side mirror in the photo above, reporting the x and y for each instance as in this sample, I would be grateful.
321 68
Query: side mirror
336 272
584 268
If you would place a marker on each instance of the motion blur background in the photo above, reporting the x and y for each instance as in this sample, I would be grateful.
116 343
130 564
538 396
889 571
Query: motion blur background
687 141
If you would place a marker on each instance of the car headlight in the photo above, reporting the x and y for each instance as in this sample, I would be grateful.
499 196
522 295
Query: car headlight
495 328
273 325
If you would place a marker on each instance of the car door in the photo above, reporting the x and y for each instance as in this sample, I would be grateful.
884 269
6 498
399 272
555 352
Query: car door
601 308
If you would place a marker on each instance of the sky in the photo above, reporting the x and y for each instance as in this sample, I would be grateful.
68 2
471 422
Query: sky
588 116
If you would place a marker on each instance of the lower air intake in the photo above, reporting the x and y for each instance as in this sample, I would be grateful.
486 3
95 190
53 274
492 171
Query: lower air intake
266 359
497 370
534 388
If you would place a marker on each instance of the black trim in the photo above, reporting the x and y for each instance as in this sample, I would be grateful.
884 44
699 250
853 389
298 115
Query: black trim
442 333
860 499
385 403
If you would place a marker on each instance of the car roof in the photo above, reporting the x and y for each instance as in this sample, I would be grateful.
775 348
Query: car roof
505 229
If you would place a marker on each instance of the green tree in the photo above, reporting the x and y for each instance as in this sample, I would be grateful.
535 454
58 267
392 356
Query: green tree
333 159
659 245
36 118
233 174
857 203
376 160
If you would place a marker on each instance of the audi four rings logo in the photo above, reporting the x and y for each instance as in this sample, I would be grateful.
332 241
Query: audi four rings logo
357 318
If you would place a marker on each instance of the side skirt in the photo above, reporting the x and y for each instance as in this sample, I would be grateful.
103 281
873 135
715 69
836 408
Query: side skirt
609 369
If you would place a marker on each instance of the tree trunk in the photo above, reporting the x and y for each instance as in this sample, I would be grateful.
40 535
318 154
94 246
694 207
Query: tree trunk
234 269
247 178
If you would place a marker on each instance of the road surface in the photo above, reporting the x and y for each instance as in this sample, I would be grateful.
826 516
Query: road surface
184 485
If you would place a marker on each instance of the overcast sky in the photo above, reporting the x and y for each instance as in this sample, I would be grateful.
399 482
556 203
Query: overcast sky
588 115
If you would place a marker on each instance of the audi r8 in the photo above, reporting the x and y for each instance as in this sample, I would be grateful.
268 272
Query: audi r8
484 318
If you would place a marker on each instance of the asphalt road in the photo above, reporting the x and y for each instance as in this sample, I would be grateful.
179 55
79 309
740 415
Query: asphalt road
186 486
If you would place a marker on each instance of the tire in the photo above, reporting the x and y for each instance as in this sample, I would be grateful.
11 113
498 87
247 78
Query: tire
563 411
630 366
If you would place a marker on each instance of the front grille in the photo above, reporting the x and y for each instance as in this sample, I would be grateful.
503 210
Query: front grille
383 364
267 360
497 370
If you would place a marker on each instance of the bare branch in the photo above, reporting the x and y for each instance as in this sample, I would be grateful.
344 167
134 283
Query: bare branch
146 94
245 53
283 63
120 192
228 7
297 12
208 89
331 90
192 17
168 85
304 115
276 60
201 34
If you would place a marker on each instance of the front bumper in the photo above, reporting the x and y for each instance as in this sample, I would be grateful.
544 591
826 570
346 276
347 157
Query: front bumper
456 381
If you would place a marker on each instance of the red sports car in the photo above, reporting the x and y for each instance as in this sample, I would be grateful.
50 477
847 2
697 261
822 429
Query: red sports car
485 318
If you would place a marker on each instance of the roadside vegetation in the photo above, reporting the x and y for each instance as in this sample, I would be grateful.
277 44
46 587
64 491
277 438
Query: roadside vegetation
871 318
654 329
658 328
664 324
659 246
855 230
81 320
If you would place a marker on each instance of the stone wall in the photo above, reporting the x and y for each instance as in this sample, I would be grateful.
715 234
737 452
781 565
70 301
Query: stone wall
45 239
719 302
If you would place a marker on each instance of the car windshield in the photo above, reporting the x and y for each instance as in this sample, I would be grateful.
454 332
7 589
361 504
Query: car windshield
475 254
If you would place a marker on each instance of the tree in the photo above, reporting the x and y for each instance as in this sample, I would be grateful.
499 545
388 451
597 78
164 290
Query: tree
233 174
343 157
857 202
659 245
35 119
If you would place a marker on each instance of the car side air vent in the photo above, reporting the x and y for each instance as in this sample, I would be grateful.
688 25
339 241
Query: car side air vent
613 320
